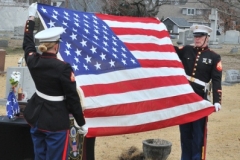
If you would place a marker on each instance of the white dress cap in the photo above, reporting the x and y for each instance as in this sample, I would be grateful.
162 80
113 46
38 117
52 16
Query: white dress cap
50 34
201 29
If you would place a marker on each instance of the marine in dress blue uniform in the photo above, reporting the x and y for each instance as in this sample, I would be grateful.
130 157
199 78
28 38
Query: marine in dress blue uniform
47 111
202 66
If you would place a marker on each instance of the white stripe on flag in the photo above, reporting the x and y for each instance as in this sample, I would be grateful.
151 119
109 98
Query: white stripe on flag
116 76
143 39
136 25
147 117
136 96
151 55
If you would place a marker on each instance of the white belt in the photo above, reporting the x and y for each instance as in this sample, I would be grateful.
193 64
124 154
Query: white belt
195 80
50 98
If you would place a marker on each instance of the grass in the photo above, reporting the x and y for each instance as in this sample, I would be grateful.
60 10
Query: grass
13 50
237 55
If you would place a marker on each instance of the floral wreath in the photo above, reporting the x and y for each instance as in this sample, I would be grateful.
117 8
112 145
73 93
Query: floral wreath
15 78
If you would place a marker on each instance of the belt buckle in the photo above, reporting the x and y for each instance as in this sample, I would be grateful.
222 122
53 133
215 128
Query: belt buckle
192 79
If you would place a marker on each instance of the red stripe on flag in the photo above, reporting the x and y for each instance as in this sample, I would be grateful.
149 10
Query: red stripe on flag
92 132
150 47
135 31
132 85
160 63
152 105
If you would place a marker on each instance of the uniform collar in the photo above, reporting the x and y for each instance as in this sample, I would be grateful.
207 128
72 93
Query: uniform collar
50 55
201 48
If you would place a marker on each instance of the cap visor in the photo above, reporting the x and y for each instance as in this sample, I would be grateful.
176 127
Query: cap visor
199 34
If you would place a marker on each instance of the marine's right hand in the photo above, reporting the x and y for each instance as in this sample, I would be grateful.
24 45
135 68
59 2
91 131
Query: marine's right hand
32 9
217 107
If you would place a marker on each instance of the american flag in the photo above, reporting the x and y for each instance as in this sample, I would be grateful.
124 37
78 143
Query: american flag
130 78
12 106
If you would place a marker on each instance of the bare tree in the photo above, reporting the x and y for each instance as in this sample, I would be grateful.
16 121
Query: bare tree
136 8
83 3
229 11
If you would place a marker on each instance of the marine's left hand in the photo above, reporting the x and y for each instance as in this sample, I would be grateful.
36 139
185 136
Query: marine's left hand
217 106
82 130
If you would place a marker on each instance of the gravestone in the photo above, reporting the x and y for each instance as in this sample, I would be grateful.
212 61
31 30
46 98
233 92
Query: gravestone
221 38
26 81
185 37
18 32
2 60
231 37
3 43
232 76
180 39
234 50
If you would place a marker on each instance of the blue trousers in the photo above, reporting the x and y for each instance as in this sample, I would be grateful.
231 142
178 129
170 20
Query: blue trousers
192 139
50 145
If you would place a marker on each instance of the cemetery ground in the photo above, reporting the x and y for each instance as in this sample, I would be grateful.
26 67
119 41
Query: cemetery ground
223 140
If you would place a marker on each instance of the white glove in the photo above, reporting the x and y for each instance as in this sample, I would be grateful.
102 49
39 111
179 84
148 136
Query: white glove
82 130
32 9
217 107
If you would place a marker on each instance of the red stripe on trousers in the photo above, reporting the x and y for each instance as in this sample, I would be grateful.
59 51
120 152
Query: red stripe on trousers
65 149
